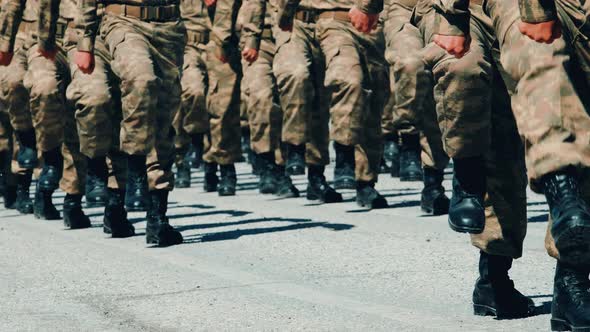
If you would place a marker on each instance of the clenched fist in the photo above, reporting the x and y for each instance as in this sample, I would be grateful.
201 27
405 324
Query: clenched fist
5 58
84 61
454 45
250 54
361 21
544 32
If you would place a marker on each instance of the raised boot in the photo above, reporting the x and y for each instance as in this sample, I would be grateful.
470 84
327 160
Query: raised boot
74 217
198 146
344 177
96 191
433 200
570 309
27 149
24 204
571 217
494 293
136 191
211 180
466 210
410 165
266 163
318 188
51 171
183 171
115 220
228 180
158 230
367 196
43 207
285 186
295 164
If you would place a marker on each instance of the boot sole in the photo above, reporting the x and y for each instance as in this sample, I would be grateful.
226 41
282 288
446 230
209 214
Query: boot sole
468 230
346 184
438 208
563 325
373 205
42 217
484 310
573 245
156 241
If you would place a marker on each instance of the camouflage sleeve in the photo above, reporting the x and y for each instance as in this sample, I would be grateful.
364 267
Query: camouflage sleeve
224 22
286 13
537 11
452 17
253 23
88 22
10 18
369 6
47 23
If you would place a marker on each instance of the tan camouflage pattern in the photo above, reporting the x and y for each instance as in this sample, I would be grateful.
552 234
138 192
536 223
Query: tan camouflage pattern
299 70
147 58
355 74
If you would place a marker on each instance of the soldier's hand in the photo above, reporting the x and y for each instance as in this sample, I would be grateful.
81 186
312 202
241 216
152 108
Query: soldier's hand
454 45
5 58
250 54
84 61
49 55
210 3
544 32
361 21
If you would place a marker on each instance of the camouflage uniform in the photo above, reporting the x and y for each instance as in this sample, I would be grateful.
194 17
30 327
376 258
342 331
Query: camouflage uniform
149 96
411 108
46 82
192 117
223 103
354 68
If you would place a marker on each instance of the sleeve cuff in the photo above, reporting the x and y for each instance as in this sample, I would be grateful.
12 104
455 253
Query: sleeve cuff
537 11
6 46
86 44
455 26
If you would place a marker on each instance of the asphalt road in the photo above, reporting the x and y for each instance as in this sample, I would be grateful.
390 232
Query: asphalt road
255 262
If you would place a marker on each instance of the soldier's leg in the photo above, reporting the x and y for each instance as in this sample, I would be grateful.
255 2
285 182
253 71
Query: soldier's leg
7 179
223 105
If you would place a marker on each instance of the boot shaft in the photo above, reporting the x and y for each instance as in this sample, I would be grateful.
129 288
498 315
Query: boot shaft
344 155
470 175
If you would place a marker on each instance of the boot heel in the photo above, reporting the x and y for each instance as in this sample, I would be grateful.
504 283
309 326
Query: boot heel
559 325
481 310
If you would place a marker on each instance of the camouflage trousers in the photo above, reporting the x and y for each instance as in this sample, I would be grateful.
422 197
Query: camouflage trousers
192 118
14 97
146 59
264 112
411 107
53 117
355 74
299 68
223 105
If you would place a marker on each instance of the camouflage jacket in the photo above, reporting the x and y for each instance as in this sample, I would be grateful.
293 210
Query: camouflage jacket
453 15
224 33
195 15
44 12
255 17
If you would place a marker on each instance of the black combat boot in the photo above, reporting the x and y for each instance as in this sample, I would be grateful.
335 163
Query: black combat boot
255 165
410 165
368 196
74 217
211 180
52 170
10 197
96 182
494 293
27 149
391 153
571 217
24 204
466 211
158 230
266 163
295 159
318 188
571 299
183 171
344 171
115 220
198 146
4 169
434 201
285 186
228 180
136 191
43 207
